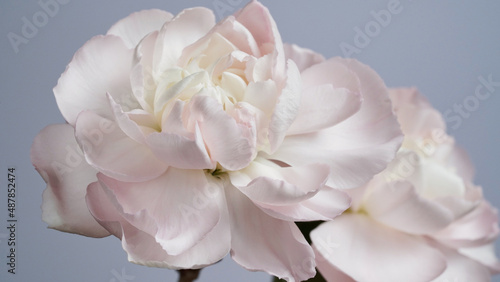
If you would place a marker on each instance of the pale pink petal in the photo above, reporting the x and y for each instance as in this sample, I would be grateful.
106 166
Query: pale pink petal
303 57
57 157
485 255
101 66
398 205
234 151
114 153
476 228
260 242
265 182
257 19
177 147
287 107
262 94
142 79
139 24
349 168
178 208
331 94
324 106
142 248
369 251
461 162
358 147
417 117
126 124
327 204
239 35
329 271
461 268
185 29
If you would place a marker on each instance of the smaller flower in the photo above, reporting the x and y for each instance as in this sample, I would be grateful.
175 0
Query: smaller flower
422 219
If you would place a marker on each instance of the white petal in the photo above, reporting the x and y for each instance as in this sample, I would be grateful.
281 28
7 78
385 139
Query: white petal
261 242
185 29
137 25
178 208
368 251
142 248
57 157
100 66
303 57
397 204
112 152
234 151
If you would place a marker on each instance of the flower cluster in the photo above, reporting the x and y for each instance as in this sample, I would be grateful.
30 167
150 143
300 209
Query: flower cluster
421 219
189 139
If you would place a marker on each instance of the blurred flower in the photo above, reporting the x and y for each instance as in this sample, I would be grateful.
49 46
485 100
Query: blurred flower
200 138
421 219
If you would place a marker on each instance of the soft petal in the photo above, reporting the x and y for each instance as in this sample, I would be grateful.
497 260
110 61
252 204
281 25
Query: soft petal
324 106
398 205
358 147
142 80
257 19
137 25
234 151
329 271
142 248
462 268
176 146
101 66
434 180
287 107
326 204
261 242
302 57
185 29
417 117
484 254
114 153
368 251
478 227
290 193
349 168
57 157
178 208
126 124
266 182
239 35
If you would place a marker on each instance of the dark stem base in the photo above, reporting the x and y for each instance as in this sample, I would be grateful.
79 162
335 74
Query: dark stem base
188 275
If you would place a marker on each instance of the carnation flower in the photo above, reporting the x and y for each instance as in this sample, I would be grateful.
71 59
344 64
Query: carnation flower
422 219
189 139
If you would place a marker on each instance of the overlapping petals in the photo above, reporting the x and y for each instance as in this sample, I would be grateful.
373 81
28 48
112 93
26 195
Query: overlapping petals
200 138
421 219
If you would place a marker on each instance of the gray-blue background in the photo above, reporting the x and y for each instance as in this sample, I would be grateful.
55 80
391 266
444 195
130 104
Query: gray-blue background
440 47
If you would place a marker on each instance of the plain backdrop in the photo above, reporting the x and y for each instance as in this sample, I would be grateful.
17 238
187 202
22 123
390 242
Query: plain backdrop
441 47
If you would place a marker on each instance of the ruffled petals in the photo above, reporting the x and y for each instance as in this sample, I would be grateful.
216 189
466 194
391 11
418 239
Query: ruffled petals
57 157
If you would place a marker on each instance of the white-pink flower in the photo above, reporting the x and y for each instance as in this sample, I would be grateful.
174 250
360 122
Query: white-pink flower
189 139
422 219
